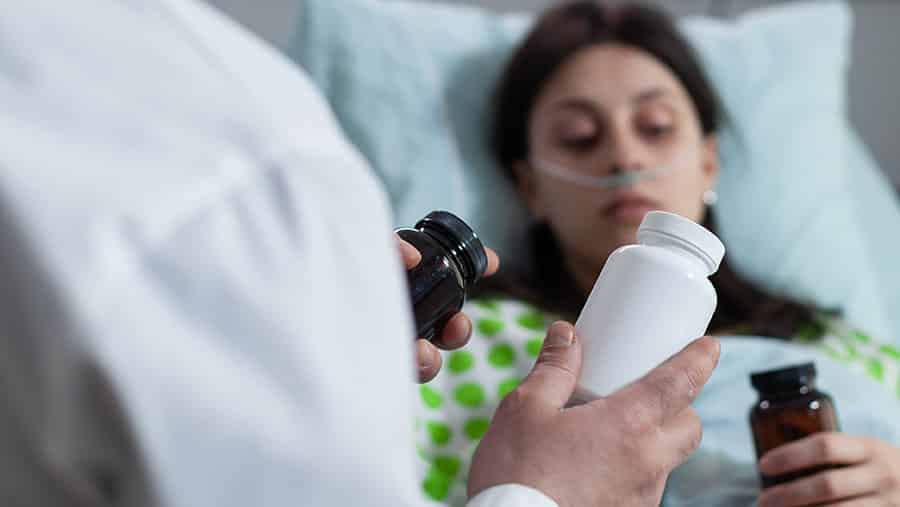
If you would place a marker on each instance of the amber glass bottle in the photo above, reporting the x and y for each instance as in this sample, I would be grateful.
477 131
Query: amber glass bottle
789 408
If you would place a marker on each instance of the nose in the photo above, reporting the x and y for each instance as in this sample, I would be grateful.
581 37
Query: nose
626 152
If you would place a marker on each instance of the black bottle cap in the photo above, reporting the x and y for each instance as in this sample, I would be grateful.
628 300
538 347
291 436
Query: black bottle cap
784 379
460 239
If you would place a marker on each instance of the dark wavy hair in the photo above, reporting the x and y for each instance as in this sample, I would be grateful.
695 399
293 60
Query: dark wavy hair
558 35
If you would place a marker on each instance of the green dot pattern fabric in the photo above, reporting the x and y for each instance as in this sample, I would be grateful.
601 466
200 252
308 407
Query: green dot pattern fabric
489 326
476 427
532 319
440 433
469 395
460 361
437 484
454 410
430 397
502 355
856 349
488 304
890 351
533 346
507 387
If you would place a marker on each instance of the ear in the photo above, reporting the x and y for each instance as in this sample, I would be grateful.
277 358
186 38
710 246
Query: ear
527 186
710 160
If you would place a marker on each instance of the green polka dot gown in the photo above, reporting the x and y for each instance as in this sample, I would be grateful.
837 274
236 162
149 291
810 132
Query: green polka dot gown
454 410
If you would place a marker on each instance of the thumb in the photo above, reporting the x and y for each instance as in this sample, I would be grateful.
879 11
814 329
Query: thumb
558 366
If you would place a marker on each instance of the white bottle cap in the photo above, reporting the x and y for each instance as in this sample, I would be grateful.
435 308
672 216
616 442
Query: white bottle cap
678 228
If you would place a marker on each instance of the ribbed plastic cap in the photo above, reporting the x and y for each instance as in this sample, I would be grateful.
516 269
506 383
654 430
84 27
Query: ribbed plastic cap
462 240
680 228
784 379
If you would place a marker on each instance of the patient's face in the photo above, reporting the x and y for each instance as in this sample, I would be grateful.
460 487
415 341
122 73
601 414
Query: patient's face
612 108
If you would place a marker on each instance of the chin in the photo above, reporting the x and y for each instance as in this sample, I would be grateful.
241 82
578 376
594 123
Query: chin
613 240
625 234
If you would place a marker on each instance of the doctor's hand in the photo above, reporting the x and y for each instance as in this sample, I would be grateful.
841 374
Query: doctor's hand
457 330
616 450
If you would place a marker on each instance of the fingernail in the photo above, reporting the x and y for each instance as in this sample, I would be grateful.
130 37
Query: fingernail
407 249
718 345
560 334
426 359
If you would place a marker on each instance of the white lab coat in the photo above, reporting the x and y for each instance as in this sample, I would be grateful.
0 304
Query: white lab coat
202 304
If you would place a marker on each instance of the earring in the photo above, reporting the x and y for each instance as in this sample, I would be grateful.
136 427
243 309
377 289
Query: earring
710 197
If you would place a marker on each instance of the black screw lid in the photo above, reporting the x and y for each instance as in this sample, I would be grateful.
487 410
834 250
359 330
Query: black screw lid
460 239
784 379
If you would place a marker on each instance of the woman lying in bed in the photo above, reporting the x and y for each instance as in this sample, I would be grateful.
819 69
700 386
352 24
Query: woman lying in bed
595 93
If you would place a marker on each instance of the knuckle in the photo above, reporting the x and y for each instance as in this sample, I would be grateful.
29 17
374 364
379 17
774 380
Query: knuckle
688 442
826 447
693 378
695 437
774 496
637 420
515 401
891 480
668 382
679 385
828 486
658 470
651 468
663 388
522 399
555 362
779 461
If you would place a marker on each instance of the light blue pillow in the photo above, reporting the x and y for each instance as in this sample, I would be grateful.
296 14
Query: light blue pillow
787 210
880 214
411 83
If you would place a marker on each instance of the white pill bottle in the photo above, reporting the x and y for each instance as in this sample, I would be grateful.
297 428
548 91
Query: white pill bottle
650 300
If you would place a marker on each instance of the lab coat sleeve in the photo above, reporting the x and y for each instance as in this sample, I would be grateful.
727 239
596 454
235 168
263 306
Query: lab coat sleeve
511 495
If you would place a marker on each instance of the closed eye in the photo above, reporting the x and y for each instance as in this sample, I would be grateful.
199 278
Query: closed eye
579 143
656 132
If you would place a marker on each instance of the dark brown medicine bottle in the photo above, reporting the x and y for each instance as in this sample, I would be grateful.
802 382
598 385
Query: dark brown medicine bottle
789 408
453 259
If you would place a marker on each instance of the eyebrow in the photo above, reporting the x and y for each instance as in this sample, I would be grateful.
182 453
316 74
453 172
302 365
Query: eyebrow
577 104
648 95
586 105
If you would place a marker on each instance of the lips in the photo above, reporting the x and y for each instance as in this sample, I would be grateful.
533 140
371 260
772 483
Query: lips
629 208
